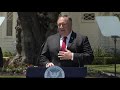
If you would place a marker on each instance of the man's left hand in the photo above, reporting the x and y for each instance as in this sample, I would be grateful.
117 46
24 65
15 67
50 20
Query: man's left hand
65 55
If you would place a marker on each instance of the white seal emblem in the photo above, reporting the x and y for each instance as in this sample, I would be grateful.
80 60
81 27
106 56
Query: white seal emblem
54 72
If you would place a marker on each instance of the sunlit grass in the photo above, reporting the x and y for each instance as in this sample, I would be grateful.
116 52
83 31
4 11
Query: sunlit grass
12 76
105 68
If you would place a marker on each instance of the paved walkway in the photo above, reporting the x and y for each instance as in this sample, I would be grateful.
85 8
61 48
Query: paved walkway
111 75
98 74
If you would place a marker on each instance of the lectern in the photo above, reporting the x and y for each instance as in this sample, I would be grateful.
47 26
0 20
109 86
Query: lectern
70 72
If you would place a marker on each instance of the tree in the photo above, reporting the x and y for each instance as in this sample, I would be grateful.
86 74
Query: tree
36 27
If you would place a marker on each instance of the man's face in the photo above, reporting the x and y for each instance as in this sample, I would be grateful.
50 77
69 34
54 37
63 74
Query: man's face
64 26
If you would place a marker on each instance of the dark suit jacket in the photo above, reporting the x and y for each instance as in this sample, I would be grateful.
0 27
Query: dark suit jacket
1 58
78 44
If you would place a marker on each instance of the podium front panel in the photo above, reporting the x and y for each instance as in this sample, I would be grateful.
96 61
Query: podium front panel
70 72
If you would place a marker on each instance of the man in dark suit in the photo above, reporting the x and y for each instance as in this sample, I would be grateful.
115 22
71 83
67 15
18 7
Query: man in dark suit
1 58
66 48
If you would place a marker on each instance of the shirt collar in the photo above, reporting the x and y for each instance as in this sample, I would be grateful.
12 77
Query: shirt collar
68 37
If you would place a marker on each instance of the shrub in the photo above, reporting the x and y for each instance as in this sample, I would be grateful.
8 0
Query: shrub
105 60
7 54
99 52
98 61
102 57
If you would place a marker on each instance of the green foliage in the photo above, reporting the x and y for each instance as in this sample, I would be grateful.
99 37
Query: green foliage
21 69
99 52
103 58
7 54
12 66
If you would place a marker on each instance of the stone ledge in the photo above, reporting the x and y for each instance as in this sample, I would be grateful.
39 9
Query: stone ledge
6 58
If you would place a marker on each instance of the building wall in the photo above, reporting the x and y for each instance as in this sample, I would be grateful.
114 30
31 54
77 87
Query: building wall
91 29
7 43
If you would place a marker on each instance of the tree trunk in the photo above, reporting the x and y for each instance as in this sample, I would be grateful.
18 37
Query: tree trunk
36 27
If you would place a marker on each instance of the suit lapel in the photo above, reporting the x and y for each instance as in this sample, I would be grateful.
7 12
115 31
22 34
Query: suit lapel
72 37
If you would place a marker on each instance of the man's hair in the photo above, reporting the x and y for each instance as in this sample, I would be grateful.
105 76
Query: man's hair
69 18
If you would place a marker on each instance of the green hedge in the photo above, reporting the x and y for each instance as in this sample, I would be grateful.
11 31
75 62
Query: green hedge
105 60
7 54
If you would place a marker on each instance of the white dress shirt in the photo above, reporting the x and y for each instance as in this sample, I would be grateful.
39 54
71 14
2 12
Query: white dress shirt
67 41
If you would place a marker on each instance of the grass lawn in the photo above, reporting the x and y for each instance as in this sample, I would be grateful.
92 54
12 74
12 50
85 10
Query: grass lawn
12 76
105 68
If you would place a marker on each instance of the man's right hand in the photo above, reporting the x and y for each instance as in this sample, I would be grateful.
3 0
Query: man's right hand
49 65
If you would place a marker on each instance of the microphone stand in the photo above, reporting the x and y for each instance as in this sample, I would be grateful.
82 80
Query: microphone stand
115 40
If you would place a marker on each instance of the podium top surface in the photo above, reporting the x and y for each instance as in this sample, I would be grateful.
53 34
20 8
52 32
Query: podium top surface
109 25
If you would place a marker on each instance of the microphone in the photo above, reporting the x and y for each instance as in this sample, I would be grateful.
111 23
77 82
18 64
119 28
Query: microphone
41 48
77 58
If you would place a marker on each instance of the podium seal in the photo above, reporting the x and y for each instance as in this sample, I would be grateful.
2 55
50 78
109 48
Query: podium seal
54 72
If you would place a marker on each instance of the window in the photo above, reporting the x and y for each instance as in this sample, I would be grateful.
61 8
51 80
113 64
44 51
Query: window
88 17
9 23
